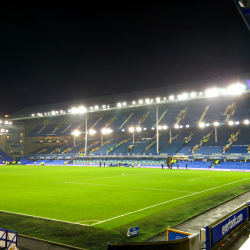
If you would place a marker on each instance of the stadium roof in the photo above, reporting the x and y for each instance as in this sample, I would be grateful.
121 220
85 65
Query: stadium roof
125 97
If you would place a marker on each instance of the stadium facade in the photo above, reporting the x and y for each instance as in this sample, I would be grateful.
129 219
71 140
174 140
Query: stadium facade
198 122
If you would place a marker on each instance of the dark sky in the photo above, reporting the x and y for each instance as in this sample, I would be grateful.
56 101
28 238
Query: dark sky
53 51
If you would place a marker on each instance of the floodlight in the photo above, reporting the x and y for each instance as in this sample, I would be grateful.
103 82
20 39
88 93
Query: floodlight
164 98
38 114
104 131
123 130
69 110
91 108
187 126
236 89
145 129
200 93
171 97
230 123
207 124
96 107
152 128
140 101
164 127
158 99
6 130
81 110
131 129
104 106
181 126
216 124
179 96
176 126
202 124
152 100
45 113
212 92
76 132
138 129
246 122
108 106
2 130
56 112
237 123
147 101
10 123
92 131
133 102
74 111
0 121
124 103
61 111
119 104
159 127
53 112
184 96
48 113
193 94
6 122
223 91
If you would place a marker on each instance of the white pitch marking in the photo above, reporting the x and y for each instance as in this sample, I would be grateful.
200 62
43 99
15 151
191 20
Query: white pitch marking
105 177
96 184
199 178
40 217
167 202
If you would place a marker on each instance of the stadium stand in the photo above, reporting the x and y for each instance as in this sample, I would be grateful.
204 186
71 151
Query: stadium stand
5 157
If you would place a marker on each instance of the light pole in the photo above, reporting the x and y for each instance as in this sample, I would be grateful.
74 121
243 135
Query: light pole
215 131
132 130
75 133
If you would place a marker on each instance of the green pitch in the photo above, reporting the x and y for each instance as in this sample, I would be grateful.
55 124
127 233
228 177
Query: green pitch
106 197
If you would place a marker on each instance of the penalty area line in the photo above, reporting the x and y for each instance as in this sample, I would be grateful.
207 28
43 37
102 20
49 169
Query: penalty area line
162 203
40 217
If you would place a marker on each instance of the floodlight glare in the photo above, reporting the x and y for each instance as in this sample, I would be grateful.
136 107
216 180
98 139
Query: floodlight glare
124 103
164 127
216 124
10 123
81 110
74 111
106 130
96 107
104 106
223 91
2 130
171 97
147 101
69 110
181 126
184 96
152 128
237 123
133 102
187 126
208 124
164 98
230 123
179 96
212 92
236 89
6 122
0 121
145 129
158 99
131 129
91 108
123 130
92 131
32 115
193 94
202 124
56 112
200 93
138 129
159 127
176 126
246 122
61 111
76 132
140 101
6 130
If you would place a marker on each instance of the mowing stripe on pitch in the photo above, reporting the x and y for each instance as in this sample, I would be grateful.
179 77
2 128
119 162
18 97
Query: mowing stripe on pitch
95 184
166 202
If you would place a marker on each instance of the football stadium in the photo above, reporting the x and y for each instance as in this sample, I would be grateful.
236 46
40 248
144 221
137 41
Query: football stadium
82 173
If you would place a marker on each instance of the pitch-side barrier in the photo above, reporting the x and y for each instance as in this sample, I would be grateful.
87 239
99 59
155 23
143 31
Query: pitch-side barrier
8 239
221 232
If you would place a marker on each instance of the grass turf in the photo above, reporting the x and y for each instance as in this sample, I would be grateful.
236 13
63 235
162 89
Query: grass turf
112 199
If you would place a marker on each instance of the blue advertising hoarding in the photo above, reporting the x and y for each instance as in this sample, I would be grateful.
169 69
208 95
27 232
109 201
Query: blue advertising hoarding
133 231
226 226
173 234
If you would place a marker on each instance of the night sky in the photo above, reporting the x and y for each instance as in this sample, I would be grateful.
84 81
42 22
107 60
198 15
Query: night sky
54 52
